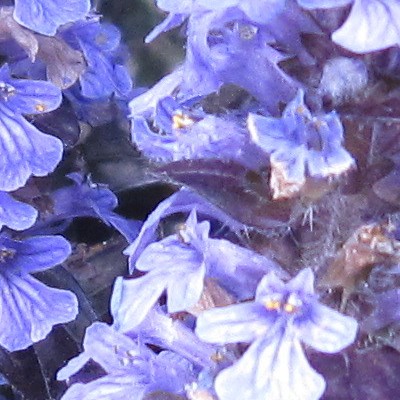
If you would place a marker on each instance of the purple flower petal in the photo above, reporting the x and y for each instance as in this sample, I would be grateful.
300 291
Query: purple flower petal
371 25
232 324
45 16
109 387
24 96
315 4
29 310
184 289
36 253
25 151
108 348
15 214
182 201
132 299
327 330
273 369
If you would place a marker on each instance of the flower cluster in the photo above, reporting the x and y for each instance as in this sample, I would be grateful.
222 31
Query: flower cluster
153 241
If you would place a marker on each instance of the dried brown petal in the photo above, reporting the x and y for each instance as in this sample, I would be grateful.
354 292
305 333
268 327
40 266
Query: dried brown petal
370 245
64 64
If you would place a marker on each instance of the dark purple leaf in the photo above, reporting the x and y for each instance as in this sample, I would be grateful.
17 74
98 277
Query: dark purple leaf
242 193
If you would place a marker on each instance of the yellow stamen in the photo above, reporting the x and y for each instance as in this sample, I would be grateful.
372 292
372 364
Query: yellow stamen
300 110
290 308
272 304
40 107
181 121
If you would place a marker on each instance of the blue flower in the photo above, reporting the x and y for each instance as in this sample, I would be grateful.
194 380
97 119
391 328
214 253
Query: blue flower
188 133
229 37
46 16
28 308
300 146
100 44
281 317
182 201
87 199
132 369
179 263
25 150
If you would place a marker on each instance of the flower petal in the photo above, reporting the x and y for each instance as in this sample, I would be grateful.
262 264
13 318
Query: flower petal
25 151
45 16
184 290
371 25
109 387
37 253
15 214
29 96
327 330
132 299
271 369
237 323
29 310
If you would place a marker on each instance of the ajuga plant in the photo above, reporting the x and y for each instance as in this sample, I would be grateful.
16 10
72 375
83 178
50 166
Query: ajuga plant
231 232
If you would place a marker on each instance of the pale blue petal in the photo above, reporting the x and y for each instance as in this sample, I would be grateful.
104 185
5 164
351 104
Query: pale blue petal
276 369
242 322
372 25
37 253
112 350
132 299
313 4
327 330
184 289
169 255
109 387
303 282
171 22
270 284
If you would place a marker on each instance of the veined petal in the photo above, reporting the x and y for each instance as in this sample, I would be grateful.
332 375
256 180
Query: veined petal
132 299
37 253
29 309
112 350
109 387
275 368
372 25
327 330
32 97
237 323
169 255
25 151
185 289
45 16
